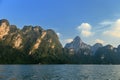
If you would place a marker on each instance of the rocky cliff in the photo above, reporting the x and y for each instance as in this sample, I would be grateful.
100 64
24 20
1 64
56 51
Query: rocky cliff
33 45
78 46
30 40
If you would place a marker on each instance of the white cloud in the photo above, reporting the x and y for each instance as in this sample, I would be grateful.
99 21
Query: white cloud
58 34
86 33
65 41
85 26
85 29
106 23
68 40
114 30
99 41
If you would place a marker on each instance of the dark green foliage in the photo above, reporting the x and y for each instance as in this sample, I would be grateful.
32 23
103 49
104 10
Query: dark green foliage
9 55
45 54
77 58
106 56
50 50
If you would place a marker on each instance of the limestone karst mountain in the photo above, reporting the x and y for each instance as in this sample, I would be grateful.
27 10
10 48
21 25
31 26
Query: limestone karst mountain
30 40
78 46
33 45
95 47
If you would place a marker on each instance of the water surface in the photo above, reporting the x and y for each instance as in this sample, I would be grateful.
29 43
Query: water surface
59 72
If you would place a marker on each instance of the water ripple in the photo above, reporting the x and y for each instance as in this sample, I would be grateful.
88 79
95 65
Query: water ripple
59 72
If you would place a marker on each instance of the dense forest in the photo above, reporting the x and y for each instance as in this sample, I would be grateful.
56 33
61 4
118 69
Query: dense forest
34 45
9 55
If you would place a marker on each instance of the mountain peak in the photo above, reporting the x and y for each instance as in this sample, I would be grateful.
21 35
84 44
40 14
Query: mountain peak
109 46
95 47
77 44
78 39
4 27
4 21
36 28
97 44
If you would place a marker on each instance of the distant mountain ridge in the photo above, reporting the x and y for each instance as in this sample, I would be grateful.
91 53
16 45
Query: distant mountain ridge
77 44
34 45
100 54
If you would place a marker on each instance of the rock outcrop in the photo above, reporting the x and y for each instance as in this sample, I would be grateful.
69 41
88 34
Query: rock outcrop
29 39
77 46
4 28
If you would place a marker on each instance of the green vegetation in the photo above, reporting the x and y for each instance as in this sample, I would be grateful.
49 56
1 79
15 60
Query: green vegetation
18 46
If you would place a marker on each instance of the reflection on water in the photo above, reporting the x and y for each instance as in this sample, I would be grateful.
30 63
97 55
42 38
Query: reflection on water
59 72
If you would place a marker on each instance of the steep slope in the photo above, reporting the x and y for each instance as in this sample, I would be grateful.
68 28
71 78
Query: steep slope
78 46
95 47
4 28
36 45
30 40
107 55
118 49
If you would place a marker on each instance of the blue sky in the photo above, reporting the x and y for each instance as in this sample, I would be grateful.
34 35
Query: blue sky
92 20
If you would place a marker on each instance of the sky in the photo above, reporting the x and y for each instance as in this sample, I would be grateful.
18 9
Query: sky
95 21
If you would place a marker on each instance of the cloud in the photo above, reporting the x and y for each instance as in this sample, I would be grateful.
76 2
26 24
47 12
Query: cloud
114 30
85 29
65 41
106 23
99 41
68 40
58 34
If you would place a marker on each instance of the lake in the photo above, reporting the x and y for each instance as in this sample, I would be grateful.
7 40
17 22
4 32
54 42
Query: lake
59 72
